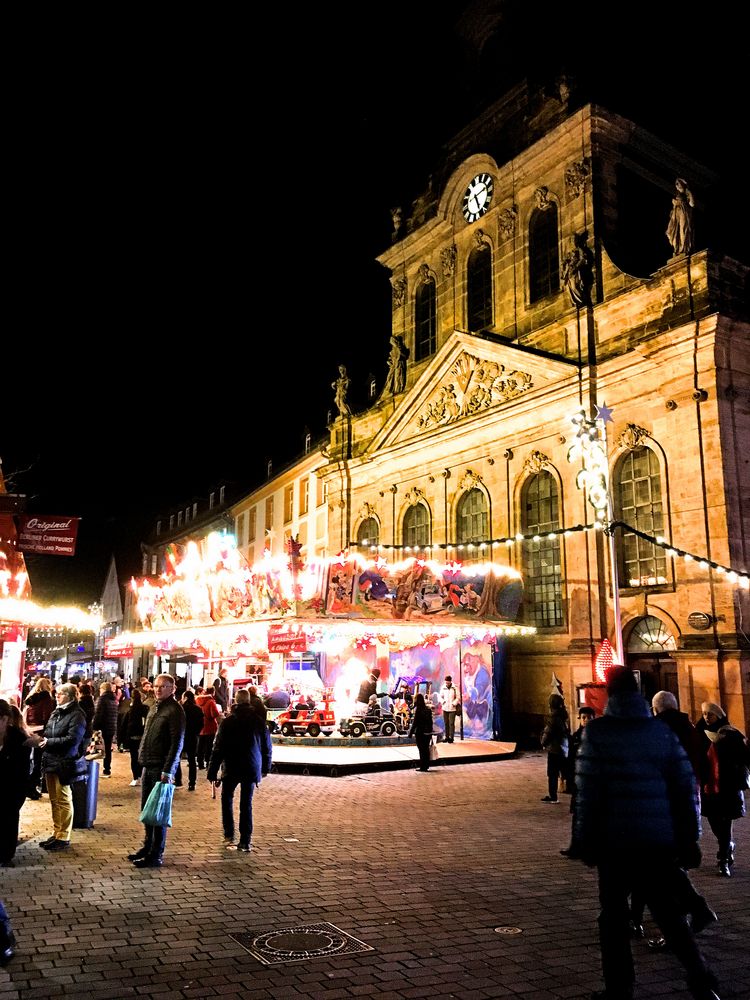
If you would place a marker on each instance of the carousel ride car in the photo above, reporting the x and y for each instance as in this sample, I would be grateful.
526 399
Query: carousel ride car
306 722
381 724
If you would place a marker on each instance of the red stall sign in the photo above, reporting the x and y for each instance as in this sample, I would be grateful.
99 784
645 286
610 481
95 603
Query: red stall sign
47 535
281 639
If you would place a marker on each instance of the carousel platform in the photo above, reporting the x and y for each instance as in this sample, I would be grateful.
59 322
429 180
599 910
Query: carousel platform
335 757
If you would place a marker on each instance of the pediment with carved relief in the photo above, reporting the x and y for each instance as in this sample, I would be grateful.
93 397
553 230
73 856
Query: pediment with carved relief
469 378
471 385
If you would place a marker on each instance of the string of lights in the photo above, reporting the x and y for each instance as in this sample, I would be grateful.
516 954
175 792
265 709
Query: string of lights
733 575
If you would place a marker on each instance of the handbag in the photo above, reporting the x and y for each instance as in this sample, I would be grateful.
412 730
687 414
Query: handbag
158 808
434 752
95 749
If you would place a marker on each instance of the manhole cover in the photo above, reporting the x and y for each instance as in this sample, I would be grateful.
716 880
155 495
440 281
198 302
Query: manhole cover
300 944
508 930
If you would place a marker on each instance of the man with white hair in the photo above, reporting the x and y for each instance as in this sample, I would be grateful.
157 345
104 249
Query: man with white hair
665 708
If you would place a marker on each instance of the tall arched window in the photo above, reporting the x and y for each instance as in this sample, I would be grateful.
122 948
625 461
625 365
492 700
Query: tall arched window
471 517
542 571
479 289
425 321
369 532
638 502
544 253
417 526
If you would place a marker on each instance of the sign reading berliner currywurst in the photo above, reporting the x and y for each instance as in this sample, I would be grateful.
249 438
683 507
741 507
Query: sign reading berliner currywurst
47 535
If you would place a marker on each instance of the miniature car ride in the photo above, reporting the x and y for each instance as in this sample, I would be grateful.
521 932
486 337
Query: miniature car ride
374 725
306 722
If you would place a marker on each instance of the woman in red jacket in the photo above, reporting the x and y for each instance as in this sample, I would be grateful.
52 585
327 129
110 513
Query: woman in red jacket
211 719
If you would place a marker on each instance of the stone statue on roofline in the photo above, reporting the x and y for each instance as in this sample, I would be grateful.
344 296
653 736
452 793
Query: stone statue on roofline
680 228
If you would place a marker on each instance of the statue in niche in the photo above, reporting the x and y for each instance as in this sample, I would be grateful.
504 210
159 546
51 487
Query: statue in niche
507 222
396 378
578 272
575 179
341 387
680 228
448 260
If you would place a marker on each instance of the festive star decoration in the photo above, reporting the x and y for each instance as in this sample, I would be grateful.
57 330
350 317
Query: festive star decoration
604 413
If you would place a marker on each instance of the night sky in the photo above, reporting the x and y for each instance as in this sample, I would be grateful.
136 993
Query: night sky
197 205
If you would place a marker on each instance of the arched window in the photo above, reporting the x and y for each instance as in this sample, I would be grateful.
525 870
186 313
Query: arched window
425 321
542 571
479 289
638 502
544 253
471 517
369 532
417 526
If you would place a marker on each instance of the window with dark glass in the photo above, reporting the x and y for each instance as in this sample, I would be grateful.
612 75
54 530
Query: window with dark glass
369 532
471 518
544 253
479 289
542 571
638 502
417 526
425 321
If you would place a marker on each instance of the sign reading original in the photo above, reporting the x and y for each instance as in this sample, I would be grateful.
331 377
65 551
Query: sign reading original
47 535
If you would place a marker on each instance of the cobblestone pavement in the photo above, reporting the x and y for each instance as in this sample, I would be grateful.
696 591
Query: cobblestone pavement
424 868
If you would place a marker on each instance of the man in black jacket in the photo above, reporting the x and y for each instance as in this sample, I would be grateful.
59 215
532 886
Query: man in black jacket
637 820
243 746
105 720
159 753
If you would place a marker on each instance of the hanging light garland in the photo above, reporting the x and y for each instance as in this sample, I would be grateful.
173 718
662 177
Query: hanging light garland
28 613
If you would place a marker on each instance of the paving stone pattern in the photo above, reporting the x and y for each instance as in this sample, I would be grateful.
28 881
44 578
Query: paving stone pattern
422 867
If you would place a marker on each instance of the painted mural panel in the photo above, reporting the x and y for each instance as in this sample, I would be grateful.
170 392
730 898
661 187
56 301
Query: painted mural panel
211 583
423 669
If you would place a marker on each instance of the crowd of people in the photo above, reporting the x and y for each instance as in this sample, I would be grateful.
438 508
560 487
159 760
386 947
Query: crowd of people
44 742
641 776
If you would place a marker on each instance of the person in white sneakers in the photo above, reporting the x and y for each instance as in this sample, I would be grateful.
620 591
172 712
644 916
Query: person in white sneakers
449 700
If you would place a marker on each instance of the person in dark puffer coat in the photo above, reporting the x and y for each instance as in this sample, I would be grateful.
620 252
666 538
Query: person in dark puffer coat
105 720
637 820
243 746
63 741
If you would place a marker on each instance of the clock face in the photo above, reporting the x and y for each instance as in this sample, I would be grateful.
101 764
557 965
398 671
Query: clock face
477 197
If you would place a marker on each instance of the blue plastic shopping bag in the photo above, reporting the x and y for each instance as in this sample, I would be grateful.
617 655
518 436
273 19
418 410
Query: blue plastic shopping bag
158 808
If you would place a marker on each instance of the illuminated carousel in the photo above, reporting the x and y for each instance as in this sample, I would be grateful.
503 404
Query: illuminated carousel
320 628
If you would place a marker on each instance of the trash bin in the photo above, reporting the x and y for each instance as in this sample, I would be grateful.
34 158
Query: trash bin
85 794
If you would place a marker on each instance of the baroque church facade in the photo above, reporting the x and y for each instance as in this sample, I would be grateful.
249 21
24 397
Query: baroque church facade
526 296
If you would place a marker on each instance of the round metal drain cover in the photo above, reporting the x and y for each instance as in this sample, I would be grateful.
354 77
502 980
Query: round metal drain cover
508 930
306 941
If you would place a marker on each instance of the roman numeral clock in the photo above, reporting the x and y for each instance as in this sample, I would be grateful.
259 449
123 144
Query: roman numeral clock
477 197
